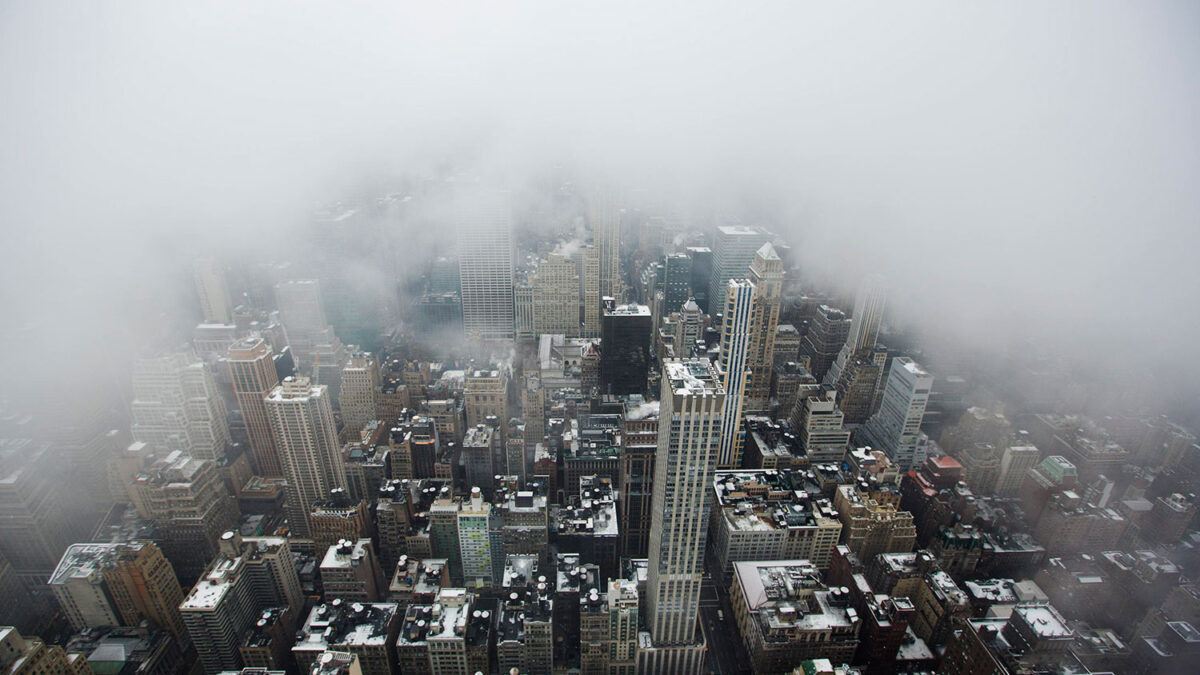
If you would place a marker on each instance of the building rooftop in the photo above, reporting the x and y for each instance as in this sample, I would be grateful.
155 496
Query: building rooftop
82 561
339 623
693 377
346 554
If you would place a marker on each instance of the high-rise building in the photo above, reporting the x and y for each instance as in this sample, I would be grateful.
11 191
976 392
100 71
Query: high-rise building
485 394
36 525
605 219
486 266
176 406
305 433
473 540
896 428
702 270
248 576
622 627
676 282
766 273
556 297
821 432
360 387
625 349
872 525
117 584
692 405
590 283
318 351
1015 463
736 336
187 500
252 369
214 295
864 325
733 251
826 335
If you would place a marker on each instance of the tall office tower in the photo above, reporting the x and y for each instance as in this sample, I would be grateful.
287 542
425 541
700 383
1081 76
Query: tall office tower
733 251
523 308
639 443
896 428
590 287
702 269
187 501
1015 463
622 627
117 584
473 540
214 295
856 384
302 311
766 273
485 263
533 410
605 220
252 369
822 435
689 433
864 326
677 282
826 334
360 387
306 436
36 525
443 532
625 349
176 406
556 297
248 576
737 333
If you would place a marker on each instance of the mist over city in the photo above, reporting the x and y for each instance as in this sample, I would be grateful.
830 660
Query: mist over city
599 338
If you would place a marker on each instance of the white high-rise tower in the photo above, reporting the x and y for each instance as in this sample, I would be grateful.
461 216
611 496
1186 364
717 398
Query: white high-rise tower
736 336
485 264
176 406
693 402
864 325
896 428
306 437
214 295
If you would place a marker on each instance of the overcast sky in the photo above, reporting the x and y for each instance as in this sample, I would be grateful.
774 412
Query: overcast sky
1013 167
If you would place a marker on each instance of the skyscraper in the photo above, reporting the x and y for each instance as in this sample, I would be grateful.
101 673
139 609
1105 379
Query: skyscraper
252 369
625 349
826 334
360 384
247 577
896 427
176 406
473 540
702 269
766 273
117 584
306 436
692 406
590 280
676 282
317 349
605 217
556 297
733 251
736 336
485 266
864 326
214 296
